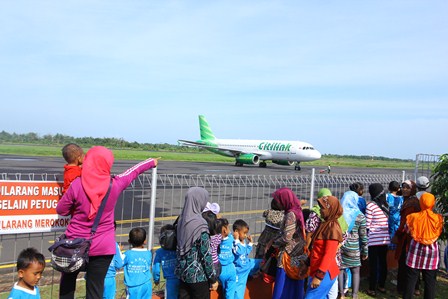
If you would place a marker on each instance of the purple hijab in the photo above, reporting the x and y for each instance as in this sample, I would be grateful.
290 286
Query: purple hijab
287 201
191 223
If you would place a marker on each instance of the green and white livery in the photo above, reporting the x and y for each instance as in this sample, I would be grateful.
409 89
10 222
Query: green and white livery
282 152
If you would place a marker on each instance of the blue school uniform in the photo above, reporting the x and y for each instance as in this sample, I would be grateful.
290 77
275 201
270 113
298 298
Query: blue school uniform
228 271
243 265
110 285
18 292
166 260
137 273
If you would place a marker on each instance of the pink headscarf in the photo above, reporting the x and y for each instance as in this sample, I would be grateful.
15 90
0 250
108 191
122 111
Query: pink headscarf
95 176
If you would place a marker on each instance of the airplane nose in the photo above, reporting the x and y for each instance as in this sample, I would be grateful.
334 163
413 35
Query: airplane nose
317 155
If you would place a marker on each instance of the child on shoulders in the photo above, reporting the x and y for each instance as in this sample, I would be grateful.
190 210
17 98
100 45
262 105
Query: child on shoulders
74 156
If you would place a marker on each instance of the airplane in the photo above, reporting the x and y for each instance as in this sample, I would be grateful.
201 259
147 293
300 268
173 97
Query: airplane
253 152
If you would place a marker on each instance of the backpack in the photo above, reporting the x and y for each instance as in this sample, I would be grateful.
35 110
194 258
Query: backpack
296 263
168 238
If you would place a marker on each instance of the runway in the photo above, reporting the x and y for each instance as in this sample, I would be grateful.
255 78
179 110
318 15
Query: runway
12 164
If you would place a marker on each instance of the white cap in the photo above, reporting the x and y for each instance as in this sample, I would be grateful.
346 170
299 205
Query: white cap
422 182
213 207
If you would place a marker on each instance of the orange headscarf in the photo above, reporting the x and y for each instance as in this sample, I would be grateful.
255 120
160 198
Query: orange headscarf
330 211
95 176
425 226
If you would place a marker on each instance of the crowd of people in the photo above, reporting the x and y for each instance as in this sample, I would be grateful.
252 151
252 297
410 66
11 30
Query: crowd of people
306 253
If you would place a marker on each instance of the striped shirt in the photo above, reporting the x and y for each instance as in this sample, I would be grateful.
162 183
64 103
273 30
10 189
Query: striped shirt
377 225
215 240
423 256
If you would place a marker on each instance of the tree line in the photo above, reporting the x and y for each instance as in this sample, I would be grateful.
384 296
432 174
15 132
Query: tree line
119 143
110 142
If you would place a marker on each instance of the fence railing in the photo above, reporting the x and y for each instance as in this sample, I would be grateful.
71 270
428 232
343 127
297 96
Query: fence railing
424 165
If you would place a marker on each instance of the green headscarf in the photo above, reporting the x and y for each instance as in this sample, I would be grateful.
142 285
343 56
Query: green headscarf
324 192
316 209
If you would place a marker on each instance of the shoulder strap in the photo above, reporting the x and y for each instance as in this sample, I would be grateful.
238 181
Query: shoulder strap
175 222
100 210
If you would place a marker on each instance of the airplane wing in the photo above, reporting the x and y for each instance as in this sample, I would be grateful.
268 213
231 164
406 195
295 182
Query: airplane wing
191 143
234 152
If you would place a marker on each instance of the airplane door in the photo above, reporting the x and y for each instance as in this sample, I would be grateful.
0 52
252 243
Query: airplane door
291 153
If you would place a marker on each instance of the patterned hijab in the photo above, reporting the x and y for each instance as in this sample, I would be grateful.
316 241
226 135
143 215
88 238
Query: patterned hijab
95 177
329 229
410 200
349 202
425 226
287 201
191 223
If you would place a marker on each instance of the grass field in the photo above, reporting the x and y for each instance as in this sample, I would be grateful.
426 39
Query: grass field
125 154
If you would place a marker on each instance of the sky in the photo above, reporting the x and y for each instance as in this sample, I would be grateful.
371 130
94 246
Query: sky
349 77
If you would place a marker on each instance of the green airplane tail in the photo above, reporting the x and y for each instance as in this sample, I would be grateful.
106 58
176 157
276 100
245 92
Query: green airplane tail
206 132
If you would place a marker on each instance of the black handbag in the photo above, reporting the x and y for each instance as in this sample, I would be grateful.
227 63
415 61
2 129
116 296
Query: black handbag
71 255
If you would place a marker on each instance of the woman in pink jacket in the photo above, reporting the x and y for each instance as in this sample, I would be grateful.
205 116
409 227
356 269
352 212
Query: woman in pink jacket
82 201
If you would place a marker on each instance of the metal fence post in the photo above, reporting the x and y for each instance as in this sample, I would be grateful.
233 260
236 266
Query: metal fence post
313 177
417 158
152 209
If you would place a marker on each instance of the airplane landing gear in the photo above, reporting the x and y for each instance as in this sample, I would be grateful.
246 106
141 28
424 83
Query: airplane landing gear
263 164
238 164
297 166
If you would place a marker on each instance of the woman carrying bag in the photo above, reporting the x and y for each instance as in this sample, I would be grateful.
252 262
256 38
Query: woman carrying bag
82 201
291 244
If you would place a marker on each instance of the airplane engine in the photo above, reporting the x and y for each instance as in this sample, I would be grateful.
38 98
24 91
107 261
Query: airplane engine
247 159
283 162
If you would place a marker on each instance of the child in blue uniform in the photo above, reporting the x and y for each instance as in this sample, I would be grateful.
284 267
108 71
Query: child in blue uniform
243 264
30 266
226 258
137 266
110 285
166 259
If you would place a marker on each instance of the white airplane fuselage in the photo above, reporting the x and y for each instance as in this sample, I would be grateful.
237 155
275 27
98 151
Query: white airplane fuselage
246 151
284 150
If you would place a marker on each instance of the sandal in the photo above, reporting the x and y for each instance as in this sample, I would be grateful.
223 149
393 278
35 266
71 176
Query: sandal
382 290
371 293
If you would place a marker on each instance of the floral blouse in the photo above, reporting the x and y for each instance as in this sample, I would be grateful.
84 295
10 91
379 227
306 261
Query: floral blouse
197 264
